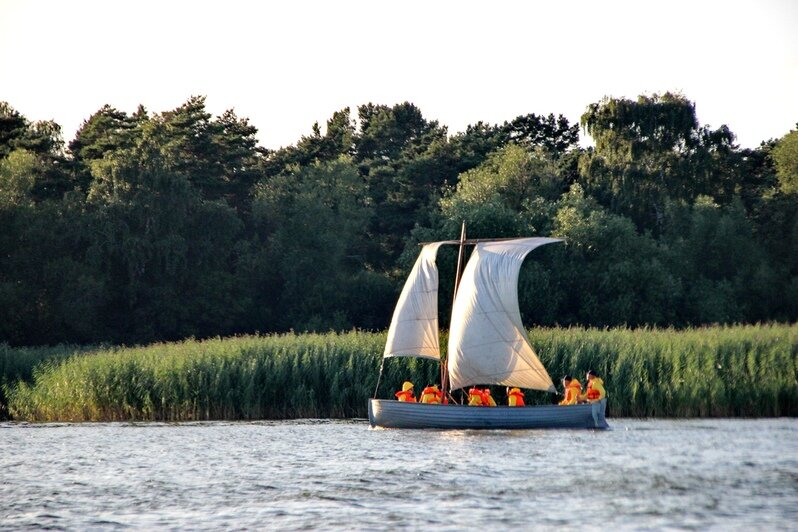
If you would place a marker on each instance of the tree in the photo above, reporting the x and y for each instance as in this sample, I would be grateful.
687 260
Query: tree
17 178
471 147
239 159
164 251
106 131
606 273
337 140
531 131
12 127
16 132
514 174
785 157
220 157
51 175
639 154
390 151
713 250
312 229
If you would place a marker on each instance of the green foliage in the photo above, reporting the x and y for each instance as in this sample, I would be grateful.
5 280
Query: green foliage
16 132
17 365
270 377
607 273
502 196
513 176
106 131
703 372
219 157
531 131
720 371
391 151
17 178
626 129
651 151
34 157
338 140
147 216
12 127
312 223
785 156
158 226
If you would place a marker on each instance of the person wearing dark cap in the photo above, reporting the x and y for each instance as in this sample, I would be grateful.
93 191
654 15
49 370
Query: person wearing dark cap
595 389
573 388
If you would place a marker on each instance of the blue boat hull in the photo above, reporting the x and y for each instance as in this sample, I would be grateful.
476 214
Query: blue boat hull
388 413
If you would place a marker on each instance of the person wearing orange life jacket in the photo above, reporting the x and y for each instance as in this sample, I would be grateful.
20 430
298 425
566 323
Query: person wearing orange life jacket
573 389
431 395
487 399
515 397
406 394
475 397
595 389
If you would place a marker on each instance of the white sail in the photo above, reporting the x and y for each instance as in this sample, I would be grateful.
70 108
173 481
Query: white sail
487 341
414 327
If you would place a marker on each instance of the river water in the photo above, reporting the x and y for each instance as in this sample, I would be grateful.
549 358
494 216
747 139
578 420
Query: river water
682 474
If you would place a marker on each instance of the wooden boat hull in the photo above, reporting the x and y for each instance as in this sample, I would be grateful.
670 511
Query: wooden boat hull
388 413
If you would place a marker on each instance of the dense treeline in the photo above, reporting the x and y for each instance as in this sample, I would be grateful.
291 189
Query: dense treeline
161 226
716 371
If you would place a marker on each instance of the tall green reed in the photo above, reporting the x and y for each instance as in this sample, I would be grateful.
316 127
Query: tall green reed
18 363
713 371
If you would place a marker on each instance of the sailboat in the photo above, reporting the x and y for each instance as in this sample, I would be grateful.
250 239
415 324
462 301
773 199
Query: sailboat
487 345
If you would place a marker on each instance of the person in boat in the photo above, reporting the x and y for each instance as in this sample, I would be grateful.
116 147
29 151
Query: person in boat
595 389
573 389
431 395
475 397
487 398
406 394
515 397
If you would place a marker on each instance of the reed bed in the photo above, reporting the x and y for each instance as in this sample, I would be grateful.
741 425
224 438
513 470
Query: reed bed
255 377
17 363
703 372
715 371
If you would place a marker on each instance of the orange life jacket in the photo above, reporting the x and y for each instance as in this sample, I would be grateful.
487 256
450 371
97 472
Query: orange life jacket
572 393
406 396
591 393
431 395
475 397
519 398
487 400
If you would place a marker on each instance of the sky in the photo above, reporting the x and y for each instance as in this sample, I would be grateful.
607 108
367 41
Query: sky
285 65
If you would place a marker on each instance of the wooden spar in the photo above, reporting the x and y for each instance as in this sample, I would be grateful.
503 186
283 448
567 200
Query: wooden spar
458 273
460 256
469 242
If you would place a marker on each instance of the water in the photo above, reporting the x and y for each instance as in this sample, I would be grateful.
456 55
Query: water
697 474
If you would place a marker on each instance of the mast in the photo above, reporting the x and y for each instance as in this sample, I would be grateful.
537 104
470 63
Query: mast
458 273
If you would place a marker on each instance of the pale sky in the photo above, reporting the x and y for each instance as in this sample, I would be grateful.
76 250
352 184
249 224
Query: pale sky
285 65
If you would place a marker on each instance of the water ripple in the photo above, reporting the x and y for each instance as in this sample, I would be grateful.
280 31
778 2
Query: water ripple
699 474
